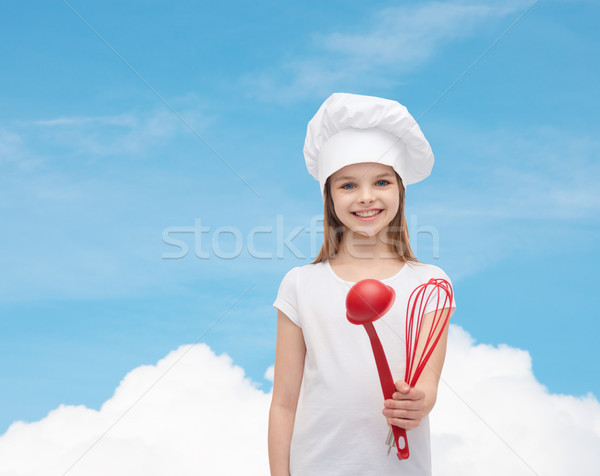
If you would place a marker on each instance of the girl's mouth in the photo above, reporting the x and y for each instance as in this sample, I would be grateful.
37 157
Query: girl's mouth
370 215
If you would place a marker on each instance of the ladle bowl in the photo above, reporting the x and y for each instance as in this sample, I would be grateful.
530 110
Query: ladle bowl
368 300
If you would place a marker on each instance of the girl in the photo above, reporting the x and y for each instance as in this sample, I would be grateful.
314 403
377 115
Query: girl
327 416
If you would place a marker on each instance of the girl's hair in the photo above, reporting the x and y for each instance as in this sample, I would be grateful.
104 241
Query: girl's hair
333 229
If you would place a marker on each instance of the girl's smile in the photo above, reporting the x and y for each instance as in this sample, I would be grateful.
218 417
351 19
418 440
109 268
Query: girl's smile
367 215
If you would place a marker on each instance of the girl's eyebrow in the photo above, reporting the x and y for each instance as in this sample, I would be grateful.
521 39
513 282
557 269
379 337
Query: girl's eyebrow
347 177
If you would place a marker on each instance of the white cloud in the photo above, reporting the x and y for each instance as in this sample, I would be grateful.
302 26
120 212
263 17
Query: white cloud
498 193
62 177
202 417
394 41
270 373
124 134
9 145
127 120
205 417
14 154
549 433
538 172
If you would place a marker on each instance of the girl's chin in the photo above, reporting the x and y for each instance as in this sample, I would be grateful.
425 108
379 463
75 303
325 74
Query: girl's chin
368 232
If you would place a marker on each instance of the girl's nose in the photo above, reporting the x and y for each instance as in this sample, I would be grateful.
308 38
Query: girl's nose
366 195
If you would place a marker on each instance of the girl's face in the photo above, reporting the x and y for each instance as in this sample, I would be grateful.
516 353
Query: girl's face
366 196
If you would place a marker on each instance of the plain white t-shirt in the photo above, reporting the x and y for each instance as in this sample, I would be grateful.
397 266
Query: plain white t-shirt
339 429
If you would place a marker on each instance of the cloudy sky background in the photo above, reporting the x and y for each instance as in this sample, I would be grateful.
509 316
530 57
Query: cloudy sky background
127 128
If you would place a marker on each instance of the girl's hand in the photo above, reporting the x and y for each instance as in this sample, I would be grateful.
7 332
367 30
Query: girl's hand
407 407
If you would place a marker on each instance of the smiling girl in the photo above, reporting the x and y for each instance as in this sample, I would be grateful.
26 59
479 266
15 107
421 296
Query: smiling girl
327 416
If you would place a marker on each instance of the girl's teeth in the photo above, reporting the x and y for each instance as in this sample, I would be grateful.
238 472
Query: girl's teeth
367 214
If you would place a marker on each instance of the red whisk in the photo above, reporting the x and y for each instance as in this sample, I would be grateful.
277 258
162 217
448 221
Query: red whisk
370 299
414 320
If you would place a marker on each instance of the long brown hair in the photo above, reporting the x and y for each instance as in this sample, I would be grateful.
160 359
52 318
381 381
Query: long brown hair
333 229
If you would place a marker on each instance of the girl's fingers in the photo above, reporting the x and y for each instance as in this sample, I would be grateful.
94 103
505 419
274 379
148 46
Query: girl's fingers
403 423
402 414
402 386
413 394
405 404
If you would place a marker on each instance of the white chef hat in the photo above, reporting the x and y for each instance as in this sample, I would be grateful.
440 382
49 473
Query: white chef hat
351 128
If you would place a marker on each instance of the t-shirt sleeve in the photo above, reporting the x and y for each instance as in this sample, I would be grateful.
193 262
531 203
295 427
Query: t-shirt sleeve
286 300
439 298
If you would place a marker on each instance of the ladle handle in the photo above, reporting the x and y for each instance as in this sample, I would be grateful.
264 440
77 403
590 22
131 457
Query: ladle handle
387 385
401 442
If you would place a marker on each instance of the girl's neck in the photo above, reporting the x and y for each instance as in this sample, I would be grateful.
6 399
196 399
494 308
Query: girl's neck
356 247
365 257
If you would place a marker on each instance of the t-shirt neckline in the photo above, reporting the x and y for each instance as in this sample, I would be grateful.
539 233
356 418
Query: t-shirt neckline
385 280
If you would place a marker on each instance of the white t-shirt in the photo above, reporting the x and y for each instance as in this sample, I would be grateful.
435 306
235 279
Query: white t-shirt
339 428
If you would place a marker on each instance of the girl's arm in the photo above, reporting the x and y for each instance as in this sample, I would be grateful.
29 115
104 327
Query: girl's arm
410 405
289 366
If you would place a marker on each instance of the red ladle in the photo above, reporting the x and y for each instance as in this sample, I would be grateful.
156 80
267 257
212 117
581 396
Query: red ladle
367 301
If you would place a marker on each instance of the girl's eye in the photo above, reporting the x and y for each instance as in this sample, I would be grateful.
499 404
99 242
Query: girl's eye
381 182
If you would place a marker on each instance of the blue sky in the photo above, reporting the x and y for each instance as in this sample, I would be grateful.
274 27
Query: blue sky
172 115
